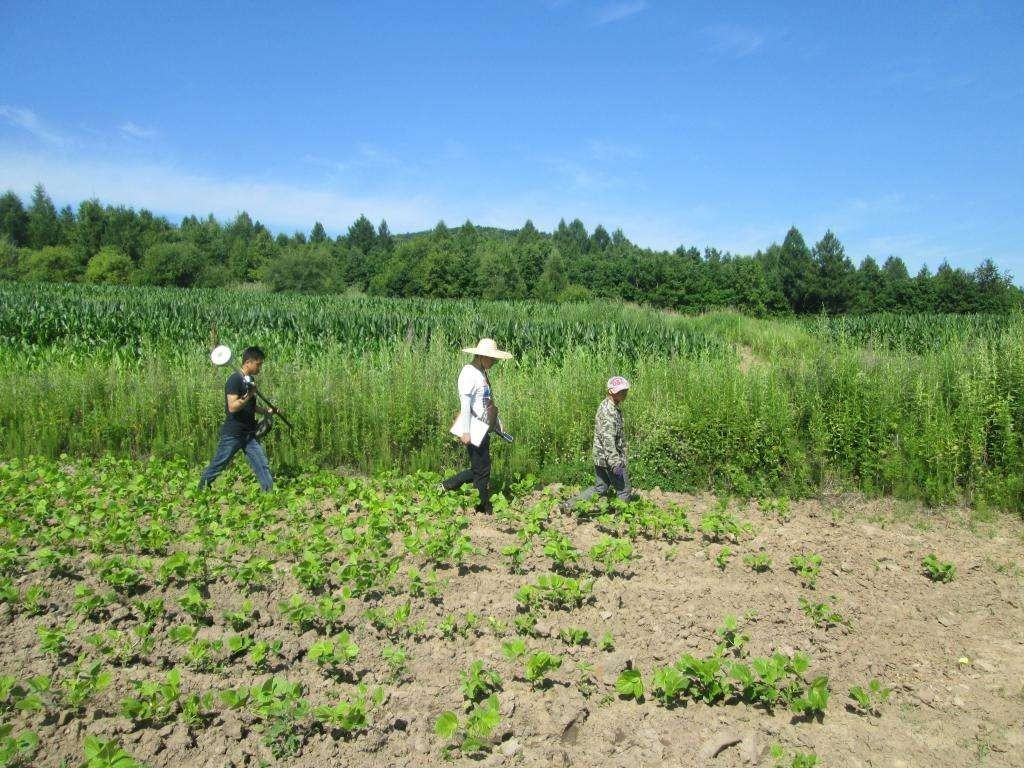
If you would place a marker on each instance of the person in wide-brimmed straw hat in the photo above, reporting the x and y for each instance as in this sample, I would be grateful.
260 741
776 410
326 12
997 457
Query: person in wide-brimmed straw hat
609 447
476 401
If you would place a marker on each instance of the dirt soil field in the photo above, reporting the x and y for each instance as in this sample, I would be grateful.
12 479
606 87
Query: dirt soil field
953 653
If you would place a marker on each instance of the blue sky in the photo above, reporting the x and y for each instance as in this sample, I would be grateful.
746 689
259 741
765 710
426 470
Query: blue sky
897 125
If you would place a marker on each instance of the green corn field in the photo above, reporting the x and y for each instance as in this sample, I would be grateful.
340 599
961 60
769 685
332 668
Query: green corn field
923 406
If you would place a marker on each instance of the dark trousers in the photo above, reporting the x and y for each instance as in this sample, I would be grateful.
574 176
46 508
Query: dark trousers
605 481
479 473
227 447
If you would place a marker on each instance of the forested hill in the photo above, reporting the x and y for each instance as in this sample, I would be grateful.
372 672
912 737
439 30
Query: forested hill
115 244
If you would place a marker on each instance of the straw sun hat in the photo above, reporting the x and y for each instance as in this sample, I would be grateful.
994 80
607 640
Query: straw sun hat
487 348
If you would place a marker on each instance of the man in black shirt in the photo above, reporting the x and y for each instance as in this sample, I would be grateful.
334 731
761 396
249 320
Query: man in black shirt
237 431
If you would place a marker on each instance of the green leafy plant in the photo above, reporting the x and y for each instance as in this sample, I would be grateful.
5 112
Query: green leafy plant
574 636
731 638
560 549
296 610
280 709
478 682
254 573
869 701
196 710
705 680
813 702
938 570
106 754
53 641
90 604
310 571
722 558
333 654
759 562
17 749
181 634
34 600
514 648
425 584
18 696
611 553
83 682
585 683
718 524
777 507
630 684
783 759
538 665
516 555
242 618
154 701
349 717
262 651
476 736
607 642
669 686
195 605
150 610
824 614
552 590
807 568
396 659
181 567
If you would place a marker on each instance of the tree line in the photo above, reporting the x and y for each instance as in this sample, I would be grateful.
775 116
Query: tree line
115 244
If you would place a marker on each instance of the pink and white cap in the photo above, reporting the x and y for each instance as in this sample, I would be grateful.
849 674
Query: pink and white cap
617 384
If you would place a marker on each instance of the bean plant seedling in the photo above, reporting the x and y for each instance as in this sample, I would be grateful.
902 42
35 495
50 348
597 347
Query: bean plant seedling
807 568
869 701
938 570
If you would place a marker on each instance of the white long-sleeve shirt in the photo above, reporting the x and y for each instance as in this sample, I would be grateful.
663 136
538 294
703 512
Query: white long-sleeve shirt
474 395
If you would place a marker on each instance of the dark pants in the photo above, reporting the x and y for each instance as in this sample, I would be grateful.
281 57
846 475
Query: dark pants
606 480
227 448
479 473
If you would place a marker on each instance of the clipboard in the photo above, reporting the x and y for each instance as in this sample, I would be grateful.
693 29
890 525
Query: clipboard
478 429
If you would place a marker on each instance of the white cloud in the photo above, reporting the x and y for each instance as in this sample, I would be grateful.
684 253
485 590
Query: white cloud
618 11
169 190
132 131
29 121
732 40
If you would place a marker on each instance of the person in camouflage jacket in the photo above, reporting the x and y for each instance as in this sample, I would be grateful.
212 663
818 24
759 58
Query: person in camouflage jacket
609 448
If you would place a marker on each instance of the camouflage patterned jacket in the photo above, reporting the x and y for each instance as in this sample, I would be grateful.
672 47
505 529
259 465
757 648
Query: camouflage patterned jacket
609 436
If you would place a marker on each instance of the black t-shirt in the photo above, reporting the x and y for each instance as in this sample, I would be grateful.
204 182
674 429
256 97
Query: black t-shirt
241 422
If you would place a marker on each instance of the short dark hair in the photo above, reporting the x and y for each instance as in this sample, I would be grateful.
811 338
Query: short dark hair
252 353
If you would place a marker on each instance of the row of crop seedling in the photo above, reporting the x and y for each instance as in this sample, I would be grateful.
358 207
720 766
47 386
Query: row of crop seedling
276 705
19 749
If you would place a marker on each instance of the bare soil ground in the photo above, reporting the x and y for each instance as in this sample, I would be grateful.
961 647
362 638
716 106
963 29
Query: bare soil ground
953 653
